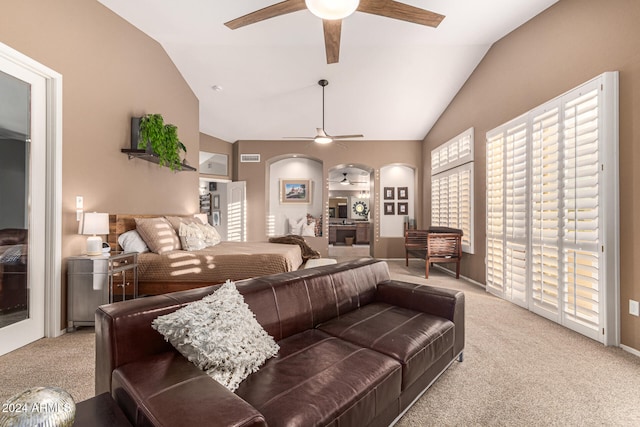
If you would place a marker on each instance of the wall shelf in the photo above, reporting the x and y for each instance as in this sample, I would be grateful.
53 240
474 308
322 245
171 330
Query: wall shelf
151 157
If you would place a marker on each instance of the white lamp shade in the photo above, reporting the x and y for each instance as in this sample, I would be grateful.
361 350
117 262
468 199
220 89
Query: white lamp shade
332 9
93 223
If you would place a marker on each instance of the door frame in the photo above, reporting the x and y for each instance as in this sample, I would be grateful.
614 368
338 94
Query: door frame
53 203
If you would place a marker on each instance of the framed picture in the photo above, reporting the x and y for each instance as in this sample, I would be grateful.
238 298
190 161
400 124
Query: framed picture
403 193
213 186
403 208
295 191
216 201
389 208
389 193
215 218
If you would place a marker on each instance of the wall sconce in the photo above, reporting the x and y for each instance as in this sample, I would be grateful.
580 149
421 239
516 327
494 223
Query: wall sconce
94 224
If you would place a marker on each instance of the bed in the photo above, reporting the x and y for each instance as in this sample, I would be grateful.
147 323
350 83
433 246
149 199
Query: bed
176 270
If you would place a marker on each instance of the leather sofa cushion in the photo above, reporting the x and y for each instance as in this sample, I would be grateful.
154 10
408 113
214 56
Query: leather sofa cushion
316 379
413 338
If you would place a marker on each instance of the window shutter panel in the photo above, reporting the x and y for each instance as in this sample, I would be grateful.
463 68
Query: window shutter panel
580 226
545 212
495 213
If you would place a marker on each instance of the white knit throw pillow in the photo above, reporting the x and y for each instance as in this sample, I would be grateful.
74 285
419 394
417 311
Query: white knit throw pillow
220 335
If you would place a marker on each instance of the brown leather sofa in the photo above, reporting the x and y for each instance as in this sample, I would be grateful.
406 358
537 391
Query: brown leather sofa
356 349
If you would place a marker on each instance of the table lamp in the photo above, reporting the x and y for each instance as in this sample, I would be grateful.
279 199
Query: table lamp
94 224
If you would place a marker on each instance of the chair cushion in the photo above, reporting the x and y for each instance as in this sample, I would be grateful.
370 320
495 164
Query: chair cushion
316 378
413 338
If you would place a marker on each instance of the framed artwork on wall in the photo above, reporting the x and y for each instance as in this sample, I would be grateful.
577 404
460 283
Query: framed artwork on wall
389 208
403 193
389 193
215 218
295 191
403 208
216 201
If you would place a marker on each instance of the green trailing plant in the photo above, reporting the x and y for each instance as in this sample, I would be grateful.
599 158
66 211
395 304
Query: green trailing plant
163 139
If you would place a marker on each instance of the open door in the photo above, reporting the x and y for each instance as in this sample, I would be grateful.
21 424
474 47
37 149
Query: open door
236 211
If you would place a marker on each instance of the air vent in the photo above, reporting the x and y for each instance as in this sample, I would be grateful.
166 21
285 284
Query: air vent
249 158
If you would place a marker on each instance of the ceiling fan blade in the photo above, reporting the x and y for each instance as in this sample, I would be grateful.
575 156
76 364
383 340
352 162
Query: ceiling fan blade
332 30
401 11
282 8
346 136
300 137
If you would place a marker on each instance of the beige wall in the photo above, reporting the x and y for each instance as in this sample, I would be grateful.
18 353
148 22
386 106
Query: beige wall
568 44
372 154
111 72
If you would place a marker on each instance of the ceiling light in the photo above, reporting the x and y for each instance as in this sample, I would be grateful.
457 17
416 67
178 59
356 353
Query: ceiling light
332 9
344 182
322 139
217 88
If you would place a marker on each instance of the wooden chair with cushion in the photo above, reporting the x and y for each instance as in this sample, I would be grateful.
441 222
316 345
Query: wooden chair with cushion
437 244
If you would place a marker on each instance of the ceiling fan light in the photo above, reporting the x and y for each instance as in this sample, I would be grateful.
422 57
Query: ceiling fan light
344 182
332 9
322 139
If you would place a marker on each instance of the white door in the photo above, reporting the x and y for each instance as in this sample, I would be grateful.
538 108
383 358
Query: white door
236 211
22 205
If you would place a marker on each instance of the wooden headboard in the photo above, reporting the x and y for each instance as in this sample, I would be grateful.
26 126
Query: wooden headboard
121 223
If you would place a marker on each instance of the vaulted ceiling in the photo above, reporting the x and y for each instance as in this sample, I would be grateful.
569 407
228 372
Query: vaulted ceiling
392 81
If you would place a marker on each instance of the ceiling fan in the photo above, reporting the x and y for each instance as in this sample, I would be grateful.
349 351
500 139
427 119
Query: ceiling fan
333 11
323 137
346 181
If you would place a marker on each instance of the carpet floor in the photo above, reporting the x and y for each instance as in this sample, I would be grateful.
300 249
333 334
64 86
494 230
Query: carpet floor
519 369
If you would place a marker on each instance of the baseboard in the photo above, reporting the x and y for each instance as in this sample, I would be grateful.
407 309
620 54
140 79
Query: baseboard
444 270
630 350
453 274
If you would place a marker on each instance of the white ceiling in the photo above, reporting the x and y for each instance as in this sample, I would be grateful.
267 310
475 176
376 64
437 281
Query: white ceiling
393 81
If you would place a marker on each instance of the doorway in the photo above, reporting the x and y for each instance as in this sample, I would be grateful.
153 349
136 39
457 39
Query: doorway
351 219
30 204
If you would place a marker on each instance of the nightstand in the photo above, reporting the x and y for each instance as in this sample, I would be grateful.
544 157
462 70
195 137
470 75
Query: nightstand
96 280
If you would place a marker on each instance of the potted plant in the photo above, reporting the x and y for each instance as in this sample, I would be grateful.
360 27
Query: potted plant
163 139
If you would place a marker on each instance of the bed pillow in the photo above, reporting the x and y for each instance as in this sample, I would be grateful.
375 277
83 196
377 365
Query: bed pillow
191 237
175 221
295 225
308 229
220 335
158 234
211 235
132 242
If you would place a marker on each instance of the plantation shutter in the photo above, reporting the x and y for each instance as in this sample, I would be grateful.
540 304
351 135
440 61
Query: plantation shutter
452 186
580 224
545 211
495 212
516 212
552 210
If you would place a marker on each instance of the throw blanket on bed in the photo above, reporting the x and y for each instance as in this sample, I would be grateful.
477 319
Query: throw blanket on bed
292 239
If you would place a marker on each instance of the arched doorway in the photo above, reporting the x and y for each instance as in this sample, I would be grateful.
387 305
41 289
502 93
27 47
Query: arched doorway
349 211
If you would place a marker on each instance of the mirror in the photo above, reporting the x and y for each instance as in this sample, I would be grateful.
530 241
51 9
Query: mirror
214 163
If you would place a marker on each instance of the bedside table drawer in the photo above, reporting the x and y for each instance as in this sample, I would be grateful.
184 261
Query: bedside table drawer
124 260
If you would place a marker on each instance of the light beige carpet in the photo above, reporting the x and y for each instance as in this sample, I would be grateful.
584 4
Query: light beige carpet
519 369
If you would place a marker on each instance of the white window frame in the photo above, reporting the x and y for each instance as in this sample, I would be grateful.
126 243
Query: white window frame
452 162
600 276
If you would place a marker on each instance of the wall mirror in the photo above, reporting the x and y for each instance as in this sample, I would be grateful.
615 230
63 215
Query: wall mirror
214 163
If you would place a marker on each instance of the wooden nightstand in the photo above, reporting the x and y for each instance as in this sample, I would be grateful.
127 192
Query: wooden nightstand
96 280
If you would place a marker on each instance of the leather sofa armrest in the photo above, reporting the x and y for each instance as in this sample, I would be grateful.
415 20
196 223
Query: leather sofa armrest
181 395
441 302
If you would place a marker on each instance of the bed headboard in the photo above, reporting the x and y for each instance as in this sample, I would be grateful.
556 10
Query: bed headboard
121 223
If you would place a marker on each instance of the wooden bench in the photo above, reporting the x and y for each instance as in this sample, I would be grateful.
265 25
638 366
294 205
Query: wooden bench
436 244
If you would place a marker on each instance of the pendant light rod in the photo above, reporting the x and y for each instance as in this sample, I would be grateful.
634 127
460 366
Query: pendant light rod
323 83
